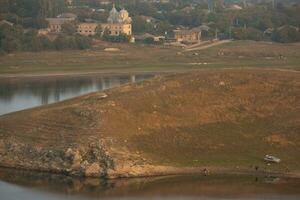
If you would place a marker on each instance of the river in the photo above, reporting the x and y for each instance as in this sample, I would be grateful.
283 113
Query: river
23 93
16 185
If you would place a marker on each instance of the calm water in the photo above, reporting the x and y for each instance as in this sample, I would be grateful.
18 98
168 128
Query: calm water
19 94
16 185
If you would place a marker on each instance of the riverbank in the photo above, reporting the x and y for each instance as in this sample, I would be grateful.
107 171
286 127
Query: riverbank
161 171
43 76
152 171
224 119
104 73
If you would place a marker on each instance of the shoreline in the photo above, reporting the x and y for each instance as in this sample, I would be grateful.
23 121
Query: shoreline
167 171
128 72
78 74
4 77
205 171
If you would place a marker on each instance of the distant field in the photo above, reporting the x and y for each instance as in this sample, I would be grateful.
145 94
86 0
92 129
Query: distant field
139 58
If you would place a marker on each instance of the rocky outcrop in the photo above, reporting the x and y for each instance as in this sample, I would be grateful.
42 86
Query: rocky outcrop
83 161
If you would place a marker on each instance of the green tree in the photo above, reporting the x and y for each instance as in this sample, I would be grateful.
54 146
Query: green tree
118 38
99 32
30 41
11 44
139 25
83 42
10 38
149 40
61 42
247 34
46 44
69 28
286 34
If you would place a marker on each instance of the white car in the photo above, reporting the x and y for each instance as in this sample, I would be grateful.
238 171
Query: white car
269 158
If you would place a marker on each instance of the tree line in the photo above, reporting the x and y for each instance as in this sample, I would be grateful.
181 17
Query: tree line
260 21
15 38
30 13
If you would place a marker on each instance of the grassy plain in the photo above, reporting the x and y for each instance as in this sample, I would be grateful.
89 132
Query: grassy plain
210 118
140 58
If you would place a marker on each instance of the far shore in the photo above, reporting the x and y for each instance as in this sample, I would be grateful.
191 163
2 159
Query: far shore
68 74
134 59
124 72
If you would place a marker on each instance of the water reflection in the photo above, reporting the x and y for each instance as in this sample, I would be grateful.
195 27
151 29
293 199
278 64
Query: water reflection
16 94
172 187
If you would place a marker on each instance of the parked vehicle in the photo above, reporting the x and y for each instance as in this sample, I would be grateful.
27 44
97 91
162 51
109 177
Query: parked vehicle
269 158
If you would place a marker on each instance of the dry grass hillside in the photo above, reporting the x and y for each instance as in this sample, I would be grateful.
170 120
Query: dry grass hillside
218 119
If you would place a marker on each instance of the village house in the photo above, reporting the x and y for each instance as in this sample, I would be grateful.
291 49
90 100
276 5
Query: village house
87 28
188 36
44 31
56 23
69 2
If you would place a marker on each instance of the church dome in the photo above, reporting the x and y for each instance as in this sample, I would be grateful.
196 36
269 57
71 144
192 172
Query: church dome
124 12
113 15
124 16
118 17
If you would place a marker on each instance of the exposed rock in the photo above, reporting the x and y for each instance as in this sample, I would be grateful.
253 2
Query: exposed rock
221 83
77 158
93 170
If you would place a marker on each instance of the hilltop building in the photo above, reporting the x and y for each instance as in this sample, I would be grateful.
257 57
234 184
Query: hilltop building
188 36
69 2
87 29
56 23
117 23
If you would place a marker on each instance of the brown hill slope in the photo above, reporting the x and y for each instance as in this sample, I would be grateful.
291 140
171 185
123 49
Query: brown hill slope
221 119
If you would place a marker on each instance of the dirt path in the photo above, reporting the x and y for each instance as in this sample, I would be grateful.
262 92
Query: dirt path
208 45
